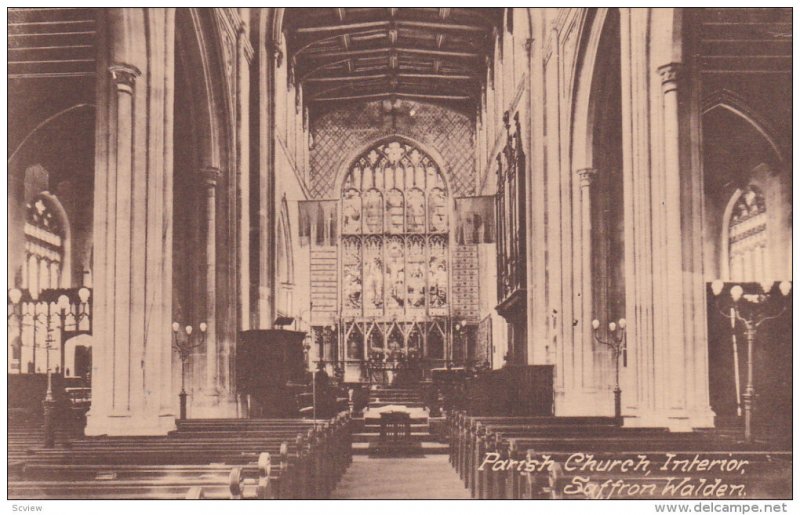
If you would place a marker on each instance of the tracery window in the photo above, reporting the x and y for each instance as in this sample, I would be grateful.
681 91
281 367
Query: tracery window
747 237
395 250
44 247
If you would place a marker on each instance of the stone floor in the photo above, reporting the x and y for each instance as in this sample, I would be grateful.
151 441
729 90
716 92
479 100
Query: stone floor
425 477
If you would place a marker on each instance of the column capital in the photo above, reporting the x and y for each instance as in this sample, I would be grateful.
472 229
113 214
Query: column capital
586 176
670 75
276 51
210 175
124 75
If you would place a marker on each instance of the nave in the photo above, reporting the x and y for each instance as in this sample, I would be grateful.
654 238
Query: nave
361 454
422 477
248 246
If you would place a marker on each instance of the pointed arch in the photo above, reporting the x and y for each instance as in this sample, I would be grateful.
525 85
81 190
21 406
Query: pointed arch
64 230
584 95
199 49
727 99
285 247
432 153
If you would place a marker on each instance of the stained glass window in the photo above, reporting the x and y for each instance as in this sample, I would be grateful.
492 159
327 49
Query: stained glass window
395 275
44 247
351 276
747 237
395 250
351 212
394 211
372 272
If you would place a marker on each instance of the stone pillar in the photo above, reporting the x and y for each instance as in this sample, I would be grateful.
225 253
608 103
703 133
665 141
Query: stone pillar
132 387
673 247
123 79
245 58
540 350
585 343
270 57
210 176
666 383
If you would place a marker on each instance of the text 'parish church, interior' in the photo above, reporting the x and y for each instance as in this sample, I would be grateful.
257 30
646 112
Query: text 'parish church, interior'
275 253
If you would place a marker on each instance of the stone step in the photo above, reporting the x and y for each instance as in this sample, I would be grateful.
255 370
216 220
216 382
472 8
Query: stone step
420 436
407 404
374 423
374 426
362 448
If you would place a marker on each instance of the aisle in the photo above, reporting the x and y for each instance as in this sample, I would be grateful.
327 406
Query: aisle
426 477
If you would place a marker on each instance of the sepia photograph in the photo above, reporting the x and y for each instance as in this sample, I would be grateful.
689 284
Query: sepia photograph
457 253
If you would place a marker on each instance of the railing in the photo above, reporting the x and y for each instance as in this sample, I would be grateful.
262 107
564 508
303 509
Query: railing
41 322
37 320
425 366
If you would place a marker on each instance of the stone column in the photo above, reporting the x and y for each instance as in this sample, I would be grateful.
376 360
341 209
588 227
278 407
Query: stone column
673 239
540 349
270 57
132 225
123 78
210 176
585 356
245 58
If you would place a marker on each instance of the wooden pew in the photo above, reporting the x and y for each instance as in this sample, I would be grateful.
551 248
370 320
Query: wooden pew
117 482
471 438
467 437
306 458
768 475
308 471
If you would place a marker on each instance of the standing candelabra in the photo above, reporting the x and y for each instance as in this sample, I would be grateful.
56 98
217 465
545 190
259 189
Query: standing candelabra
615 340
751 310
49 404
184 347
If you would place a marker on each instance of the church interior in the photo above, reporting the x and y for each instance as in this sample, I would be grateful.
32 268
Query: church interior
277 253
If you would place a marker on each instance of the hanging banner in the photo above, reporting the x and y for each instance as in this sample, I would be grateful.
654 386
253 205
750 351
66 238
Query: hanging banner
475 220
318 222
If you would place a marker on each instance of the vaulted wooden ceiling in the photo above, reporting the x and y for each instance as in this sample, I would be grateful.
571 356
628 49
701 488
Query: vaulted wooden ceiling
746 41
361 54
51 42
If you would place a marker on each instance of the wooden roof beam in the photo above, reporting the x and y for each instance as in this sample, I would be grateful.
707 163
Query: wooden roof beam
366 96
304 45
445 26
321 34
342 27
401 75
349 27
404 50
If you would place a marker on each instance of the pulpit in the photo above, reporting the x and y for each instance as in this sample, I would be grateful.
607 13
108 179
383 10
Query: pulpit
267 361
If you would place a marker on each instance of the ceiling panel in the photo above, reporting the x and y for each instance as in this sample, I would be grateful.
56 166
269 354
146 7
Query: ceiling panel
438 54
